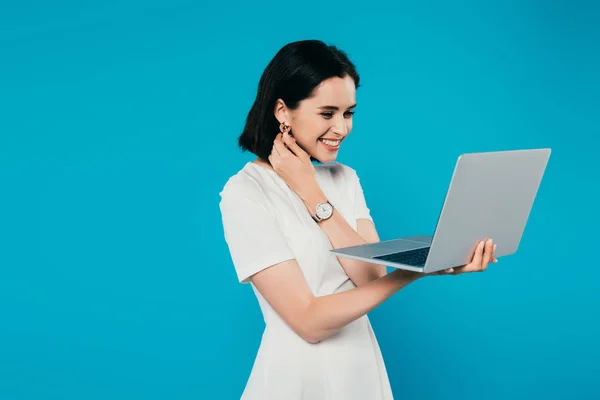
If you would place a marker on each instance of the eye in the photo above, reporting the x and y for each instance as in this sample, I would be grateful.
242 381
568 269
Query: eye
328 115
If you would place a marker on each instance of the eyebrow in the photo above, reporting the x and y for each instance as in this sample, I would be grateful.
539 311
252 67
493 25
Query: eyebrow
334 108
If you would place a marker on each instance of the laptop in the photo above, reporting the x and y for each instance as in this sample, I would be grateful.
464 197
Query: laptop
490 196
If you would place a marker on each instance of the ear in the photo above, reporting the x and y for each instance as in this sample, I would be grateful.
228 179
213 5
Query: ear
281 111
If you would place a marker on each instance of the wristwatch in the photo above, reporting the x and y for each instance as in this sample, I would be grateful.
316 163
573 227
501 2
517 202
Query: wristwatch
324 210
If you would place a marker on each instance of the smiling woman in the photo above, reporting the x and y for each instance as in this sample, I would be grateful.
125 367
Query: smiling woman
319 129
310 86
281 217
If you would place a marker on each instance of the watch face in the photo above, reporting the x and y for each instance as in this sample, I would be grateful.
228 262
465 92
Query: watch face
324 210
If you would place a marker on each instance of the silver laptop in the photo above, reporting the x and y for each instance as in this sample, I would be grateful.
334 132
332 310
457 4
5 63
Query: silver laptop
490 196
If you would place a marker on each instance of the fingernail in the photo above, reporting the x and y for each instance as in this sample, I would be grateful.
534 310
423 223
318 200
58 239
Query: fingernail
481 243
494 247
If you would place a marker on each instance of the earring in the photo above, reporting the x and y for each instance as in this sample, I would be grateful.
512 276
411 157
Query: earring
284 128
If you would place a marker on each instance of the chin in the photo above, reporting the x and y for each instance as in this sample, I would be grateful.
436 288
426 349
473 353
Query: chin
323 159
324 155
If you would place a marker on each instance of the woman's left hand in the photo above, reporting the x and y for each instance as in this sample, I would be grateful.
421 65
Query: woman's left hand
294 166
483 255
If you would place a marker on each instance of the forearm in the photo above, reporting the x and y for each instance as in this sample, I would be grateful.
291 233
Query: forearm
328 314
341 235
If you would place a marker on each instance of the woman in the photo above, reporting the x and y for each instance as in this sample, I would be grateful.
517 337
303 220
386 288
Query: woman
281 216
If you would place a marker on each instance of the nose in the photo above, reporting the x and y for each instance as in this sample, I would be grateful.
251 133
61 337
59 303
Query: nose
340 126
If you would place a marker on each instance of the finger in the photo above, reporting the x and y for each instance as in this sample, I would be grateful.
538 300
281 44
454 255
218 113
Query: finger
274 152
443 271
274 149
478 257
279 146
274 158
494 259
487 254
293 146
469 267
474 252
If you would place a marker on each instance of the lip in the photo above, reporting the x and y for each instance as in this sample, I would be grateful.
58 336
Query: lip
331 148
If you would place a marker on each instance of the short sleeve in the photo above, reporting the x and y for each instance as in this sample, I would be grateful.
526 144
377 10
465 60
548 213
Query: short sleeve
252 233
361 210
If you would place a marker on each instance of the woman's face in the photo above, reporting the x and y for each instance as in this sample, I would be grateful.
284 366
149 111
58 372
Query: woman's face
321 122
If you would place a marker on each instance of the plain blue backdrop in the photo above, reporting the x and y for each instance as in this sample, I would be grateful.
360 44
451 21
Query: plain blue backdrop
118 128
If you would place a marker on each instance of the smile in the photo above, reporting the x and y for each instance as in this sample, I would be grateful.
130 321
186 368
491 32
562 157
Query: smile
331 144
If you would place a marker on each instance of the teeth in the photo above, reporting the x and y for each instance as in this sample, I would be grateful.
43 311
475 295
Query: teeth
333 143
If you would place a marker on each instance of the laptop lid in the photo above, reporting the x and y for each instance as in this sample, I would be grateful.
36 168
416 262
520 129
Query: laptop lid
490 195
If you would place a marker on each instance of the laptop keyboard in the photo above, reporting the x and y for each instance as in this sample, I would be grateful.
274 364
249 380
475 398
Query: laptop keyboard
414 257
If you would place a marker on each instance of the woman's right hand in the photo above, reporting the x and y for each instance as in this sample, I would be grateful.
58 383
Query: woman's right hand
482 256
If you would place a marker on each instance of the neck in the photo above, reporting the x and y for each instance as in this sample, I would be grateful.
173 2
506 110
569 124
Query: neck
263 163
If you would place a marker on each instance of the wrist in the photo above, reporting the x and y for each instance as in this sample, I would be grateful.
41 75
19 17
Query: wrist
312 198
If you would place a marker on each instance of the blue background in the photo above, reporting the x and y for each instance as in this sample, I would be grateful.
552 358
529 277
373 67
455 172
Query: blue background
118 128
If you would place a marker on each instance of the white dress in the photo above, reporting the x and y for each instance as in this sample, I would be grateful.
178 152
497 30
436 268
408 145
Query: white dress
265 223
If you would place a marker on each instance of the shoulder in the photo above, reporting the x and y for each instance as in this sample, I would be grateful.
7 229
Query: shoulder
339 171
246 184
